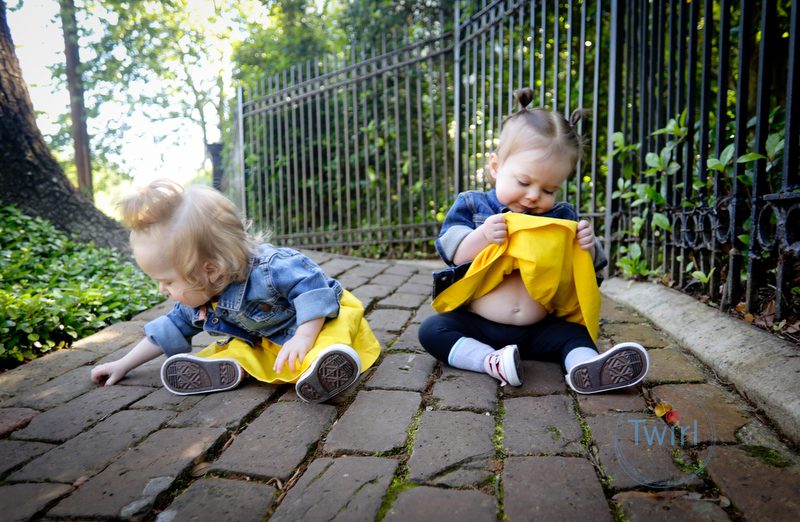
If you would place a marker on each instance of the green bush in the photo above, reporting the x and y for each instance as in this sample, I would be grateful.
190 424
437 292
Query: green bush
54 290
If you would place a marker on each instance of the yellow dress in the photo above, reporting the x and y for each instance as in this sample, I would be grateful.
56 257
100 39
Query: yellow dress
557 273
349 327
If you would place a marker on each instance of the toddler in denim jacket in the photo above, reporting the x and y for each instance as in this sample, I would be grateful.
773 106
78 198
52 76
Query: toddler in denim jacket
536 153
282 320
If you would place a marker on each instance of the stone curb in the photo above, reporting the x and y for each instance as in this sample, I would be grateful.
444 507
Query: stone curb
762 367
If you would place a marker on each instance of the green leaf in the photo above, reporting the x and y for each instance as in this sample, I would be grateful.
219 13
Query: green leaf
666 156
727 154
715 164
635 251
618 139
750 156
661 221
775 145
652 160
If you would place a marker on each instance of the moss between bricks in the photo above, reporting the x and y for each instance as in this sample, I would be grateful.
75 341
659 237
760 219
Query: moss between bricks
400 481
586 441
768 456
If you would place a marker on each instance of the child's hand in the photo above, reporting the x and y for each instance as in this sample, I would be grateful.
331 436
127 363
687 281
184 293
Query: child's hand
585 235
108 373
293 352
495 229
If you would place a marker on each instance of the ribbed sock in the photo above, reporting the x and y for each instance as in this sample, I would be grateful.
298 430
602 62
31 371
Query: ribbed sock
577 356
469 354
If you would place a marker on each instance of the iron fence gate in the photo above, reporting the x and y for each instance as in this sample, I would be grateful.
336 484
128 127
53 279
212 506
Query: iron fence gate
690 170
351 152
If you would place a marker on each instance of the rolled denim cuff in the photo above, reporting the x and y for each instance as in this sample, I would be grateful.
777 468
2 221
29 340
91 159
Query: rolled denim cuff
322 302
447 244
165 334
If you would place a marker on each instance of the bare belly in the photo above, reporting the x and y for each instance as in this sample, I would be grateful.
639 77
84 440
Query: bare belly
509 303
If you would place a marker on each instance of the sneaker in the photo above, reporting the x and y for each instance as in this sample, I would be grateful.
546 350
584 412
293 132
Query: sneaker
185 374
505 365
336 369
624 365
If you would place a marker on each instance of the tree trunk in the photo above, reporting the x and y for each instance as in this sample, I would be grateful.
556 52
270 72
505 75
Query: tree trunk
30 177
80 136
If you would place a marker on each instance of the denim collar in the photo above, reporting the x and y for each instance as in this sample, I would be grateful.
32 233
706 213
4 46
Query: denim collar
231 298
497 207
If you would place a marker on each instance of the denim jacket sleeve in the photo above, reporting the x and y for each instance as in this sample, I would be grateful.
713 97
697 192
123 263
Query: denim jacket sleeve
457 225
172 332
304 284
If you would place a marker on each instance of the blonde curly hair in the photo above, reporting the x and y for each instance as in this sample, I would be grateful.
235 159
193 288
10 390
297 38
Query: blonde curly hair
195 226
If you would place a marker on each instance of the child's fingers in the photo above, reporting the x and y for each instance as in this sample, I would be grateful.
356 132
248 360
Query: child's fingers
100 375
279 360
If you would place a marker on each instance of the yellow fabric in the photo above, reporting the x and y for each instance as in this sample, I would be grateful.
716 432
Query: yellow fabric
557 273
349 327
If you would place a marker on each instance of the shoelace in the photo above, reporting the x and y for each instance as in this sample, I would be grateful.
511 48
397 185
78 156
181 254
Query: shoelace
494 364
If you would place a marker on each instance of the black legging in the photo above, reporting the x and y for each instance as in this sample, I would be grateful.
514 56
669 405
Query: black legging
550 339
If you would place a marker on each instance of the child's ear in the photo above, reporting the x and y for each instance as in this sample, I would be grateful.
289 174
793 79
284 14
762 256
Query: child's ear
494 164
212 271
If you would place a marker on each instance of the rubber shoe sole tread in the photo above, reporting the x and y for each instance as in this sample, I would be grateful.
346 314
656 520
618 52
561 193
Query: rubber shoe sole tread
188 374
335 370
622 366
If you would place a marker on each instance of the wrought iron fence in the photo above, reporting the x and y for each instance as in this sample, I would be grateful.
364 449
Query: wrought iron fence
690 171
711 199
351 152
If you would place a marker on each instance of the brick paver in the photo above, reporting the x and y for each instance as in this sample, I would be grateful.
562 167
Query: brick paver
91 451
70 419
553 488
403 371
669 506
12 419
450 438
130 486
760 485
463 390
220 499
354 431
13 453
427 503
412 440
346 488
276 442
541 425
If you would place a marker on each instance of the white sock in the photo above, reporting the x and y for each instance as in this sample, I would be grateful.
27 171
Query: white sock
578 356
469 354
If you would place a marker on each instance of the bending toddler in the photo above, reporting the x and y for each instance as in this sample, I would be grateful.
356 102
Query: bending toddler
280 318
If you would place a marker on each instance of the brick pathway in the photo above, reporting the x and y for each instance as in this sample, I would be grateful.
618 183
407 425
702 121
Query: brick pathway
412 441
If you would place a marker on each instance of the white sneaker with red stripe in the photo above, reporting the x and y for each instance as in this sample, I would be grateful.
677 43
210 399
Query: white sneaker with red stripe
505 365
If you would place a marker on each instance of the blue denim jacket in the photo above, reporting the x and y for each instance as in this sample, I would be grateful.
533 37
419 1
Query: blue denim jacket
284 289
469 211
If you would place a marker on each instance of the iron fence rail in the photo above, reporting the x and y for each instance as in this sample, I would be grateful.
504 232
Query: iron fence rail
690 169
